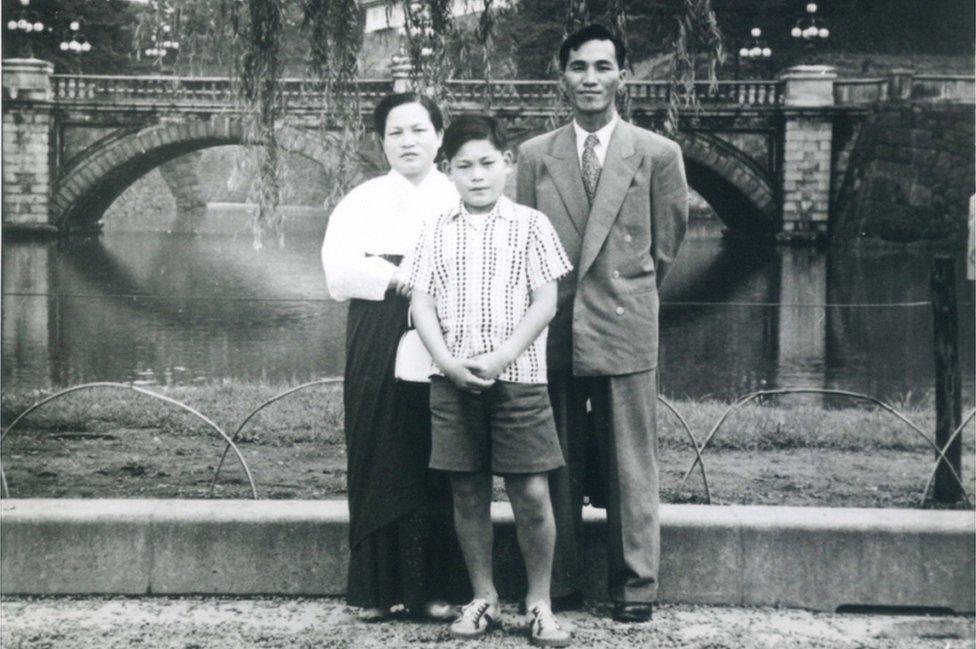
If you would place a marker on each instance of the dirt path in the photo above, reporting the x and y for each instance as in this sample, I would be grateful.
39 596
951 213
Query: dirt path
211 623
155 463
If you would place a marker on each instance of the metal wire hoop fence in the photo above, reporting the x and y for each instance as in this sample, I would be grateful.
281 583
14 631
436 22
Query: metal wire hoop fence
752 396
250 415
165 399
699 449
945 448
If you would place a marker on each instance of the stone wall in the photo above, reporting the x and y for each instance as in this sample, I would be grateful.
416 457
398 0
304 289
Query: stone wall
26 169
806 172
910 176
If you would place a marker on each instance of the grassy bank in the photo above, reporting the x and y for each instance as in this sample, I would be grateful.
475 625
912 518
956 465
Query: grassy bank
117 443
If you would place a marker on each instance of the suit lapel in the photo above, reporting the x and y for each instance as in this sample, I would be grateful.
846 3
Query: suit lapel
618 170
562 161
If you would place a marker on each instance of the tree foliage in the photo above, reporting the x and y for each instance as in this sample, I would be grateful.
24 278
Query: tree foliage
109 25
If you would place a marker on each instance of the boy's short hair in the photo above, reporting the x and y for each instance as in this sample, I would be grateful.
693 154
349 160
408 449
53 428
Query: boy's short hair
388 103
467 128
592 32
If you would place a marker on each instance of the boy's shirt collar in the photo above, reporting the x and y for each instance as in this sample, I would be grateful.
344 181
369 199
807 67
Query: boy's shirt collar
502 208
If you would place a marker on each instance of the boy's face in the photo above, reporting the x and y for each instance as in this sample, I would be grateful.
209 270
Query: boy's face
479 171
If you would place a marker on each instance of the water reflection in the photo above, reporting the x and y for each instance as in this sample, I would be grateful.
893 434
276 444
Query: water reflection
152 307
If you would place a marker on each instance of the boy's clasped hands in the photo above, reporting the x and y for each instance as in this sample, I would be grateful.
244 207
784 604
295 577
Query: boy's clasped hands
475 374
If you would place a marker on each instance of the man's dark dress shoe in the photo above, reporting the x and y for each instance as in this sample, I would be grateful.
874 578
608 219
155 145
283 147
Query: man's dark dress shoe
631 612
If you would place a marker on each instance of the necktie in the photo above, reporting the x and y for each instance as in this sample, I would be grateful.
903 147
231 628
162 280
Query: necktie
591 166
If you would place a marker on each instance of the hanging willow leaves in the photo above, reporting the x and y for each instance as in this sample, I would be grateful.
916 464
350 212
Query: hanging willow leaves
335 33
429 27
698 41
249 34
617 20
577 15
486 27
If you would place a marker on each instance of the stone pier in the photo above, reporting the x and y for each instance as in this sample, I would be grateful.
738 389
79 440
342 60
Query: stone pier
807 145
27 147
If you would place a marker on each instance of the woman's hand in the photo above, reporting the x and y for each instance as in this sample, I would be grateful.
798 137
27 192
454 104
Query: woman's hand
487 366
459 374
401 288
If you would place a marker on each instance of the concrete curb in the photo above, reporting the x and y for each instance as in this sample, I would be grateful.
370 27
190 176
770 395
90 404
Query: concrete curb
805 557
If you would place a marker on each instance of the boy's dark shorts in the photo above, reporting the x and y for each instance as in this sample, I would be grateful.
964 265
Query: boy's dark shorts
508 428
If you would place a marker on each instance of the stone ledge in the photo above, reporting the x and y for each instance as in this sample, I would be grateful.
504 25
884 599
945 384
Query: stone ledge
814 558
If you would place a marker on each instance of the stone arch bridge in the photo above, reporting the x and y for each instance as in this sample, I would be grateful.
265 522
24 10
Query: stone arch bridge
767 155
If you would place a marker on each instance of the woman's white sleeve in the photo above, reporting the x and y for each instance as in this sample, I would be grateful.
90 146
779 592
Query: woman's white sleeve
349 273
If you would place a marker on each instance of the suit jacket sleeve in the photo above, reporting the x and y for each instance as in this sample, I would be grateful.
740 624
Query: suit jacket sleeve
525 180
669 202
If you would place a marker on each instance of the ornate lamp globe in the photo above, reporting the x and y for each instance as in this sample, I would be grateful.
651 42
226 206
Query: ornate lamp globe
812 7
86 46
755 32
63 46
767 52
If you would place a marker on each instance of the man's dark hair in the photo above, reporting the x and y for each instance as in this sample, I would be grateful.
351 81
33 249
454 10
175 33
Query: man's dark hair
390 102
467 128
593 32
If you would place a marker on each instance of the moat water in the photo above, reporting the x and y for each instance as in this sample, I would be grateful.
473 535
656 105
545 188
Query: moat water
154 308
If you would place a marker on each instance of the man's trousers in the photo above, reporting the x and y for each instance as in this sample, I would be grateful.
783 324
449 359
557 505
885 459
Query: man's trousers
624 425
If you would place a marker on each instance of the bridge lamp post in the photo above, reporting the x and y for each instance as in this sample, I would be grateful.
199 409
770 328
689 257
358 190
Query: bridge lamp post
755 50
164 45
810 31
26 23
75 42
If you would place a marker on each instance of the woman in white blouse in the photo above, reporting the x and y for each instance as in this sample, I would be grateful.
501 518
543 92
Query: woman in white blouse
400 531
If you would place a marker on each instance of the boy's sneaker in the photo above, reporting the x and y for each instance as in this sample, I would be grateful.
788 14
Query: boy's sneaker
544 628
477 619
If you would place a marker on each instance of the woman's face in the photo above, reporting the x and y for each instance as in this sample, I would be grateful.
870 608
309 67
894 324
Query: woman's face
410 141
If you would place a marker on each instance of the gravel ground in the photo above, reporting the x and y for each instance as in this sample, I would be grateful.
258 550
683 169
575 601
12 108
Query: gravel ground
218 623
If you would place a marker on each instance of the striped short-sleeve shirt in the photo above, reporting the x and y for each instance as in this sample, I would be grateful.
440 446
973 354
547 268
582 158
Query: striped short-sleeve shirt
481 271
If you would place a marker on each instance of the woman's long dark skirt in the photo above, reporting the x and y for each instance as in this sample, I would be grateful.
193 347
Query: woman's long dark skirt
401 535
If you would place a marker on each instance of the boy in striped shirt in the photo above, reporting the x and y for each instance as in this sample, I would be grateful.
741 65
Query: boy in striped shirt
483 280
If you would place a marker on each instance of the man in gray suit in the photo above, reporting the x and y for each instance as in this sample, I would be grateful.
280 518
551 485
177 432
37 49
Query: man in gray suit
618 199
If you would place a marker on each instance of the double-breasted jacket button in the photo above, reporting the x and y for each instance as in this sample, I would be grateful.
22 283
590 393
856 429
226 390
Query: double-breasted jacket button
620 310
616 274
628 238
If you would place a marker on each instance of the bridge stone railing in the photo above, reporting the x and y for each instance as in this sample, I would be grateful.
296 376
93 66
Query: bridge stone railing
154 90
949 88
302 93
860 91
904 84
504 94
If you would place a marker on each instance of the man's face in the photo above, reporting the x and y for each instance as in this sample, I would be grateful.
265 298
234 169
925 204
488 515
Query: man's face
592 77
479 171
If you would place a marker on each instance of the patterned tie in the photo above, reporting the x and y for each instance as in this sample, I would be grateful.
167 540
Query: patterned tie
591 166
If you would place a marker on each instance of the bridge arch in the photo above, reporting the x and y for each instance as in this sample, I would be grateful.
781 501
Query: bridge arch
741 192
101 174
